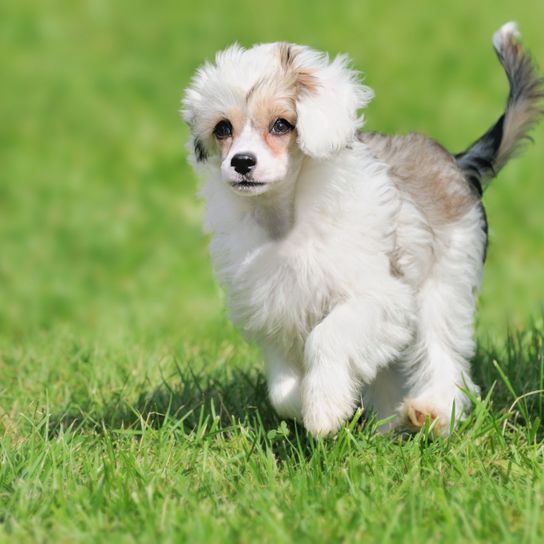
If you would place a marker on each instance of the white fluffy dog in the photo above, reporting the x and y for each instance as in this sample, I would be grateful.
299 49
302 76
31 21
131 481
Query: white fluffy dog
352 258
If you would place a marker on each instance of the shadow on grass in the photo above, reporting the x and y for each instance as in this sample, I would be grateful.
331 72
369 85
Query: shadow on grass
231 396
199 403
227 396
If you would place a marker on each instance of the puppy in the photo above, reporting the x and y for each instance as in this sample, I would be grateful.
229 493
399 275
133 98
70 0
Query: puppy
352 258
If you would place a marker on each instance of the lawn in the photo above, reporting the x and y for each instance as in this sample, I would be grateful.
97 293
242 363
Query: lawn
130 409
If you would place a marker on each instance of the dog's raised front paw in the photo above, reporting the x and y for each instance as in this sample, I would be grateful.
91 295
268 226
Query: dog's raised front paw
322 418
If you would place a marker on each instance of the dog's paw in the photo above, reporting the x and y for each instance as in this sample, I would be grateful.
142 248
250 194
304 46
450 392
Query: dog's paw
415 413
438 407
323 411
327 403
322 425
324 416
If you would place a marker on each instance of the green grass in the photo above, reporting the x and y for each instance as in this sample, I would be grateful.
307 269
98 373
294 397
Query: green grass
130 410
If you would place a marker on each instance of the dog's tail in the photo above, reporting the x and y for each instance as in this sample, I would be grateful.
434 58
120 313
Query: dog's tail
484 158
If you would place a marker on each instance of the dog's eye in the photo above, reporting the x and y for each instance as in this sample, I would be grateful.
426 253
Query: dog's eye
281 126
223 130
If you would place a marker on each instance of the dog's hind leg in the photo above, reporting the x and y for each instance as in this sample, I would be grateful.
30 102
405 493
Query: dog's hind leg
437 364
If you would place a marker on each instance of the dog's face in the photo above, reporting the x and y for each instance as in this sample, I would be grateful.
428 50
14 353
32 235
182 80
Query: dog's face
255 113
254 138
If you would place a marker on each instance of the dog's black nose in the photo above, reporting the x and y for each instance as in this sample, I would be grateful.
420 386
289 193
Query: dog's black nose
243 162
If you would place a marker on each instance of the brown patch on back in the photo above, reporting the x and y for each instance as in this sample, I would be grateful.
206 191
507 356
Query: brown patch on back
426 172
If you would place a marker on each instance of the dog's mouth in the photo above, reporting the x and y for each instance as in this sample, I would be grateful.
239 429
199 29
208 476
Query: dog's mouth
247 185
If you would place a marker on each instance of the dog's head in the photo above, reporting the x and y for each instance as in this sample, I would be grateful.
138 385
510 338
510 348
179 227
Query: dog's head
254 113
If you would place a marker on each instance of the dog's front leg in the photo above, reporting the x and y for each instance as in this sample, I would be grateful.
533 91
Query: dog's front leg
284 382
347 349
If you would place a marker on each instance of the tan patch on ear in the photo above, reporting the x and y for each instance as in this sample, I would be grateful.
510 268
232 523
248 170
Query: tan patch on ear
303 78
308 81
286 53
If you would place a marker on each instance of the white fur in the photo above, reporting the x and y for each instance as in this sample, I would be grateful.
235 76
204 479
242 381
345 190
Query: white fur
505 33
328 120
306 265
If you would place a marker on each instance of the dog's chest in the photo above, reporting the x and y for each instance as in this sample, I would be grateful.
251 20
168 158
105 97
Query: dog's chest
278 289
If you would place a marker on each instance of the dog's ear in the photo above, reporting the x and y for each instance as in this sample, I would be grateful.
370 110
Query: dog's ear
329 95
193 117
196 151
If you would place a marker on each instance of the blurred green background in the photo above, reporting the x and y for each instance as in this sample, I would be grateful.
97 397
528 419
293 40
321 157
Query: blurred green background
100 235
130 409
